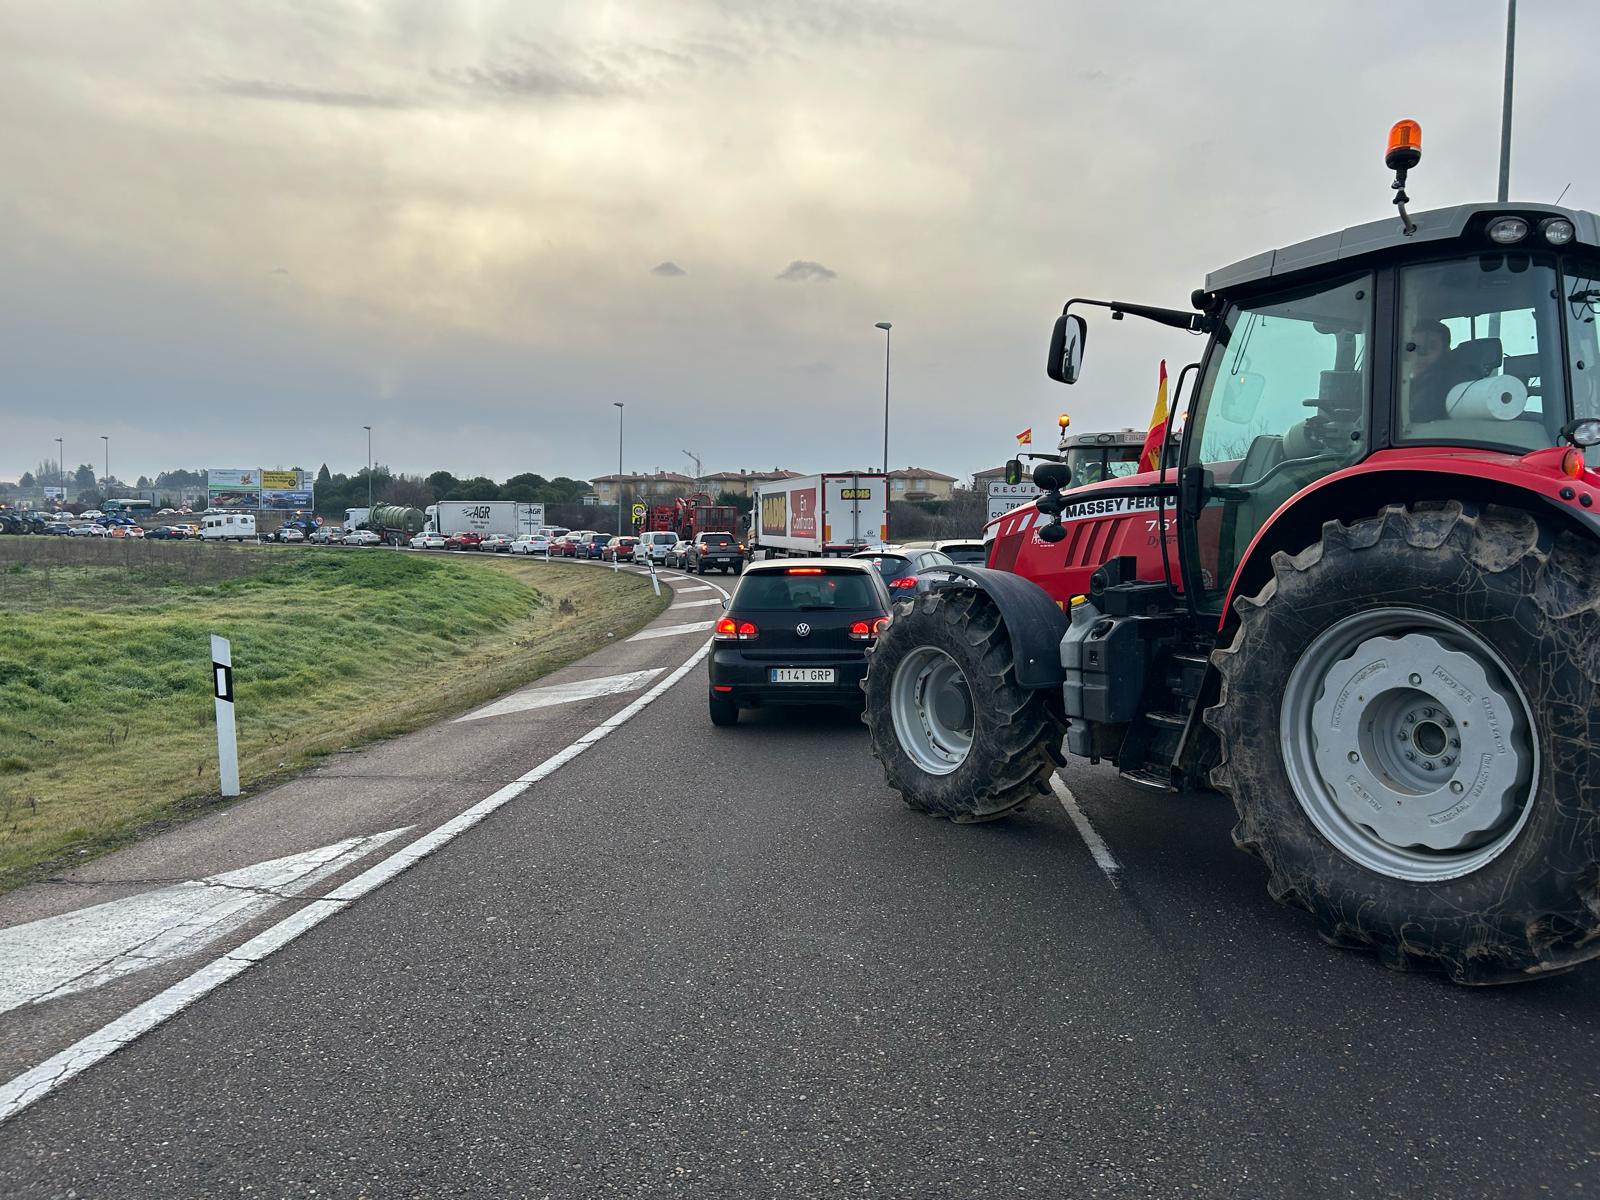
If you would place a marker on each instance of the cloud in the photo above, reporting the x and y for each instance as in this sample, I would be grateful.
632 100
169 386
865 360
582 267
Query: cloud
266 89
668 268
804 271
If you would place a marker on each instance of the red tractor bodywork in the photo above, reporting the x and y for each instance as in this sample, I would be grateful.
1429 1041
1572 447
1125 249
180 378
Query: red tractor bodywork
690 516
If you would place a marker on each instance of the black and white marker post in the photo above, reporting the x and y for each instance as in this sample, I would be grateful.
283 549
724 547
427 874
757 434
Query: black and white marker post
655 580
227 736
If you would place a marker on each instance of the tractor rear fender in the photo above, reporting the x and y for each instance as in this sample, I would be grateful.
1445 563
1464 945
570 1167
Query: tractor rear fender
1532 482
1033 620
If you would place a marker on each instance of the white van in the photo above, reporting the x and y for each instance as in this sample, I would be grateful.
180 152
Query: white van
228 527
654 546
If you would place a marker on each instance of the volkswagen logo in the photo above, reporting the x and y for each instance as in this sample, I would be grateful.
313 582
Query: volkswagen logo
802 630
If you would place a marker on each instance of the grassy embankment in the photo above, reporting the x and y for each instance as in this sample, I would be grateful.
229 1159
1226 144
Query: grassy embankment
106 718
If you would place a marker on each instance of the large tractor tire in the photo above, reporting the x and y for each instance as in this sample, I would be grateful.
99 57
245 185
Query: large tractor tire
1409 719
955 732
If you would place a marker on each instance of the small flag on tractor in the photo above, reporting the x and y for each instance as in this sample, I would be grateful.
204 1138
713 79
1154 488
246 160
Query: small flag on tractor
1025 438
1150 456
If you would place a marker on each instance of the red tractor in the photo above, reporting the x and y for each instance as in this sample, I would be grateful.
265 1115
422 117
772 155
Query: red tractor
1361 596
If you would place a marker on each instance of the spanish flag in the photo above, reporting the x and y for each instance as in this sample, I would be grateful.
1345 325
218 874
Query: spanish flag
1025 438
1150 456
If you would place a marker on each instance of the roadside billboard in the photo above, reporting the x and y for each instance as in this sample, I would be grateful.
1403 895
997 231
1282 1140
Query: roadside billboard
55 493
233 489
286 491
1003 497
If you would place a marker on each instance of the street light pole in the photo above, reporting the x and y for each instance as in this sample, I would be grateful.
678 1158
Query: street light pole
695 459
619 406
107 440
886 326
1505 103
61 470
368 428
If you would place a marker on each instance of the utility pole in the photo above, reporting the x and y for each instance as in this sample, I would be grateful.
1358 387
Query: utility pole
1505 102
620 497
886 326
107 440
695 459
368 428
61 470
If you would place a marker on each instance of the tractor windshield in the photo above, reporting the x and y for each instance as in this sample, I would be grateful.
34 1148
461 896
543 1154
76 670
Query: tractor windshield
1480 354
1092 464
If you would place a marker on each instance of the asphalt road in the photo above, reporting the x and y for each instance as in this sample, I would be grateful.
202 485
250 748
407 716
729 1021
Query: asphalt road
730 963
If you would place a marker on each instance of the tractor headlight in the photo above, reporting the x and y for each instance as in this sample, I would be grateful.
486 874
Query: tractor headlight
1507 231
1557 231
1583 433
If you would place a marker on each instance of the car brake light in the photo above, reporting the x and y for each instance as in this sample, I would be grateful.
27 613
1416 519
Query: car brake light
727 630
861 631
879 626
747 631
701 547
803 571
905 581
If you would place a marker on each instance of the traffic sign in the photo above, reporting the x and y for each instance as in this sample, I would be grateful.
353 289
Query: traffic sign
638 512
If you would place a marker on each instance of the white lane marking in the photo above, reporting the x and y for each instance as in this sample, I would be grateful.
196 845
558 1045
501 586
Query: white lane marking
37 1082
693 603
699 587
564 693
671 631
1098 850
83 949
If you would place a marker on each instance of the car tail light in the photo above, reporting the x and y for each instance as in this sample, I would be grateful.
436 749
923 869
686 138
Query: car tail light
803 571
861 631
701 547
905 581
747 631
727 630
879 626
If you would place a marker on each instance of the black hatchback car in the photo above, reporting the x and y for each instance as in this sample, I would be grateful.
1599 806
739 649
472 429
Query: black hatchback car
796 632
720 550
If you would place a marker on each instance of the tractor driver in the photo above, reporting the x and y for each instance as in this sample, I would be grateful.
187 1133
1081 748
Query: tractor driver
1431 376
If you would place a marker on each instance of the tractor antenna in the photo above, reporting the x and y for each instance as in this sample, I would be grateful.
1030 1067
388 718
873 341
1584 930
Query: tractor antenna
1564 191
1404 153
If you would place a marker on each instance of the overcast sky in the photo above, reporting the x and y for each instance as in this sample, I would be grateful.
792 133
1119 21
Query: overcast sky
232 235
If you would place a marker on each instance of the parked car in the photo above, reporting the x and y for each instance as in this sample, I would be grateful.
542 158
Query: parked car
288 533
496 543
902 568
327 534
57 528
678 556
88 529
92 514
796 631
655 546
166 533
362 537
428 539
721 551
592 545
531 543
620 549
466 540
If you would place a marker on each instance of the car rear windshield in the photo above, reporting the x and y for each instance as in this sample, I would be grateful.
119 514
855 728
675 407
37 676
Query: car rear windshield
891 566
717 539
780 590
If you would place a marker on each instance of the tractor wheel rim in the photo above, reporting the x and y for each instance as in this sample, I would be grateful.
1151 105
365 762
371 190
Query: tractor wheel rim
930 701
1409 744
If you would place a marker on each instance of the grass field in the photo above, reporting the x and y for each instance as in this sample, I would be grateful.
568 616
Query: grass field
106 717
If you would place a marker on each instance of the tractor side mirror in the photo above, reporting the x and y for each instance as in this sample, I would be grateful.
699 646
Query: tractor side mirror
1243 398
1013 472
1052 477
1067 341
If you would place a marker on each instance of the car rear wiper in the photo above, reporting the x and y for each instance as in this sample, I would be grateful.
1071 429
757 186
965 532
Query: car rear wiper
815 607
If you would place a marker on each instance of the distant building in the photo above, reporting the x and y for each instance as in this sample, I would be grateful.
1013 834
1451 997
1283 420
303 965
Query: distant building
665 485
741 482
920 483
982 479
